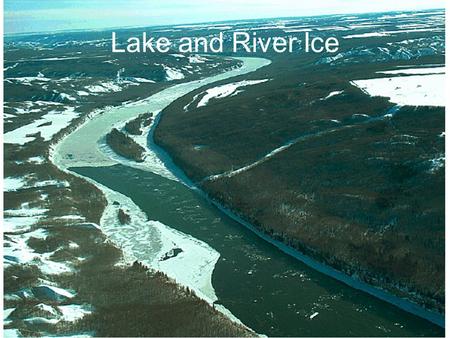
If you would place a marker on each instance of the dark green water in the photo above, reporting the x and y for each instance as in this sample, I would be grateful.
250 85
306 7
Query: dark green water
266 289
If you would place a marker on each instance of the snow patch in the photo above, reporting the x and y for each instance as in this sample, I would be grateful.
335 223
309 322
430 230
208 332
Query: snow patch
332 94
226 90
197 59
437 163
314 315
73 312
48 125
104 87
419 71
19 224
36 160
17 251
414 90
13 183
388 33
172 73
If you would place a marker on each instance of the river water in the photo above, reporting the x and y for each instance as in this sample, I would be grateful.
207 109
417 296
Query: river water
268 290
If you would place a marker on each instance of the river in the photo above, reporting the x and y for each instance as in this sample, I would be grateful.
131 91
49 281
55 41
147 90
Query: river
268 290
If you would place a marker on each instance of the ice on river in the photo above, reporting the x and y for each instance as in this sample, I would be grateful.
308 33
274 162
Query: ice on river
149 241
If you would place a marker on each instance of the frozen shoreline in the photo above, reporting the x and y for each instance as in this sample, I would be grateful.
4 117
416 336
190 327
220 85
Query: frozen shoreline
145 240
377 292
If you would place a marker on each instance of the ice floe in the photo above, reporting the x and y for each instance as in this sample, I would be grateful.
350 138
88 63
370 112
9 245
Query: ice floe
11 67
298 30
67 97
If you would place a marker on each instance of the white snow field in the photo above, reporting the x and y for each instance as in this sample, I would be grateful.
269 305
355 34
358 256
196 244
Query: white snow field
414 90
48 125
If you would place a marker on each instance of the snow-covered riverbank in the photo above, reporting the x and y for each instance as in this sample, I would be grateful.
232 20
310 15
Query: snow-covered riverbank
187 260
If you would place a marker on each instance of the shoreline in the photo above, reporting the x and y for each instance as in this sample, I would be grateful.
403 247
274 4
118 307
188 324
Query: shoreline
378 292
67 153
164 233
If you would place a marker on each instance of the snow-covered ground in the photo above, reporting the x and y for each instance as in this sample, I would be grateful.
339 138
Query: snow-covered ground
417 71
29 181
226 90
104 87
173 73
13 183
28 80
48 125
17 250
389 33
26 107
414 90
333 93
